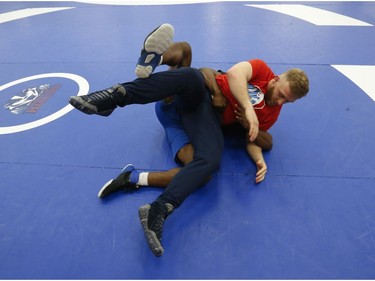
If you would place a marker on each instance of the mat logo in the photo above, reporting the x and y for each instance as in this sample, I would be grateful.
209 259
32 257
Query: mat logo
33 98
256 95
30 100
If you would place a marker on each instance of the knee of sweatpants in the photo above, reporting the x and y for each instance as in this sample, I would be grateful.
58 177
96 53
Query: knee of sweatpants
195 76
211 161
193 91
212 152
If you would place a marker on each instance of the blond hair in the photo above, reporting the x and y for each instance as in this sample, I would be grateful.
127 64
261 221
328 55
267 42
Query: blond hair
298 82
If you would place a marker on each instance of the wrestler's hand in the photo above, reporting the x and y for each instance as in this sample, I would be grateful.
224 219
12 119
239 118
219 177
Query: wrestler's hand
240 116
262 170
219 101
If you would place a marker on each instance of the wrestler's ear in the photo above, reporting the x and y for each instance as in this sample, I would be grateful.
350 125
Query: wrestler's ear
274 80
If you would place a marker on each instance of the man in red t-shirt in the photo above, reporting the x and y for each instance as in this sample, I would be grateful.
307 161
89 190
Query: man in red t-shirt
257 89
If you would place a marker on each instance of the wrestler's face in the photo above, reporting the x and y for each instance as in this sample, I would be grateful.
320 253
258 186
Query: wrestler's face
278 92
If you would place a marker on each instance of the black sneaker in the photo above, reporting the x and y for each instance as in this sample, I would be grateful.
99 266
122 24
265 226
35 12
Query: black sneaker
152 218
101 102
122 182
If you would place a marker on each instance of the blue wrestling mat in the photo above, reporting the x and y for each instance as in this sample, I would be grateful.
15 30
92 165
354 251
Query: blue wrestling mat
312 218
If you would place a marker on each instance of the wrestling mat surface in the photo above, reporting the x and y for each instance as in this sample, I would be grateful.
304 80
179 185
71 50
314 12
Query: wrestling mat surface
312 218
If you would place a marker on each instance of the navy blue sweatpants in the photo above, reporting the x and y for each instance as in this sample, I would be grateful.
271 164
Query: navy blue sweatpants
199 120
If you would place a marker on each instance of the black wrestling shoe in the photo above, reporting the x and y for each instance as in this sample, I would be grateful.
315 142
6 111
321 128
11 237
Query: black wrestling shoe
122 182
152 218
101 102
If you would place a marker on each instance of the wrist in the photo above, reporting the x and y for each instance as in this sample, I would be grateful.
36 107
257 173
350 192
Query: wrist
249 107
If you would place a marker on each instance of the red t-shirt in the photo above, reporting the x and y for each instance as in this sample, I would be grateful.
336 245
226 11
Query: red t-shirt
257 88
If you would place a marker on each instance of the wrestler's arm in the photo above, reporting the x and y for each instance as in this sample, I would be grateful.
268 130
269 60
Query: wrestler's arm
264 139
218 99
238 77
256 154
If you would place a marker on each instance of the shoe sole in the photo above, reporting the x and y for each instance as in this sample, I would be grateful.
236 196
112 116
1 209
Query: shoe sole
157 42
105 113
100 193
153 242
83 106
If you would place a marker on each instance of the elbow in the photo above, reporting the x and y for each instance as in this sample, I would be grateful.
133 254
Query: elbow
268 146
264 140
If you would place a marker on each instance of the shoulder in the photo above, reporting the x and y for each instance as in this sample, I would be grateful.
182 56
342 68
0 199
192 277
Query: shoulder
260 68
258 63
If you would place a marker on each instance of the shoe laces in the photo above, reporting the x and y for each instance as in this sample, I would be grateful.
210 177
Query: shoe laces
101 95
158 226
159 214
104 100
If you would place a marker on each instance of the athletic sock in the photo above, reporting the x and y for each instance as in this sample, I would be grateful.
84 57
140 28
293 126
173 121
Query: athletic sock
140 179
143 179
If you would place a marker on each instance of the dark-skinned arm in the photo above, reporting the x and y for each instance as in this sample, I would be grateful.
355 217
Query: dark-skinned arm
218 99
264 140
